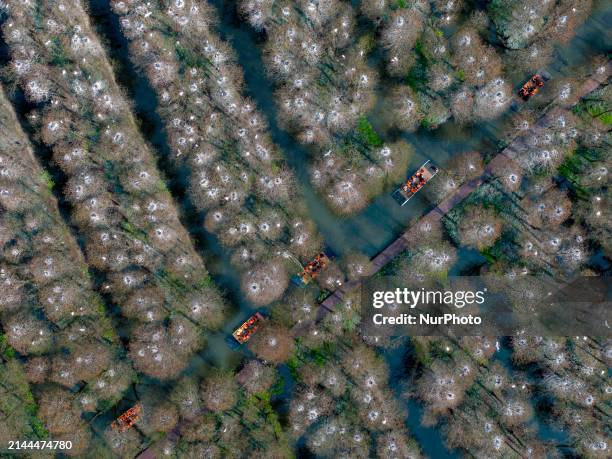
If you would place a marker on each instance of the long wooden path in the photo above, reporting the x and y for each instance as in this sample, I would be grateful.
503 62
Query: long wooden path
509 153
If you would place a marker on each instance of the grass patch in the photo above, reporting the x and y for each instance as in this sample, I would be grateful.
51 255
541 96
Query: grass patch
367 42
59 58
367 133
46 178
191 59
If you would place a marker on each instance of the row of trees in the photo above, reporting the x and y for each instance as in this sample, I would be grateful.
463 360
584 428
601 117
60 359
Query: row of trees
483 409
325 88
236 174
56 331
128 222
456 69
537 214
343 406
575 385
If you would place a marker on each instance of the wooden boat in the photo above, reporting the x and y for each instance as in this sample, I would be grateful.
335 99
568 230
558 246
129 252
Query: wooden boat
128 419
531 87
312 269
414 184
243 333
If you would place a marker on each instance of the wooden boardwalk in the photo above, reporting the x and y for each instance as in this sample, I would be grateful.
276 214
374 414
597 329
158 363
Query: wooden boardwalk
507 154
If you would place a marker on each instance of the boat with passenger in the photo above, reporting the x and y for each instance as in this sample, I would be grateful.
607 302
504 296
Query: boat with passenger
414 184
312 269
128 419
243 333
531 87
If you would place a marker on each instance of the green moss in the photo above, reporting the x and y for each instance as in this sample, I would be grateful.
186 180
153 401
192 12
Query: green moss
172 281
133 231
46 178
109 335
367 42
261 403
351 322
417 75
293 364
6 351
39 429
473 392
323 295
9 353
489 255
594 108
99 306
189 59
461 75
161 186
319 357
59 57
206 282
367 133
571 169
401 3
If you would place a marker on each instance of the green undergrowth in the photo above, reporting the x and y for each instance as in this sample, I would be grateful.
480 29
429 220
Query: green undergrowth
6 351
16 398
595 107
417 75
303 355
367 133
572 168
47 180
